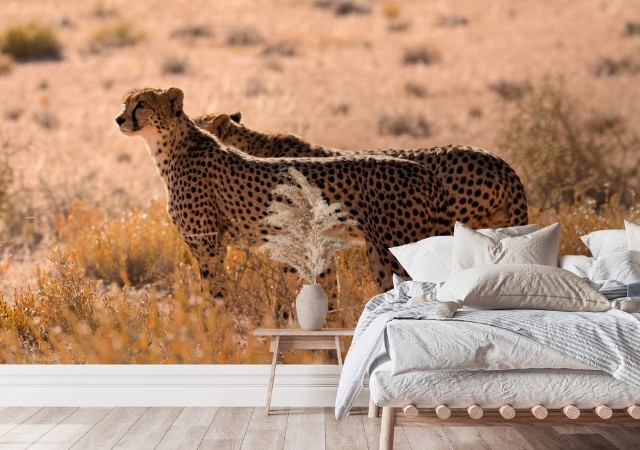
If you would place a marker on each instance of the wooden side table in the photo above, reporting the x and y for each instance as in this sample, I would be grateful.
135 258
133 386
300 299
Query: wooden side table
291 339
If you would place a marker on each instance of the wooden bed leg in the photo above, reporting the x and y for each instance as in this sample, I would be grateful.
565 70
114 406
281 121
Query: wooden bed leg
374 410
539 412
603 411
507 412
571 412
443 412
387 428
410 410
475 412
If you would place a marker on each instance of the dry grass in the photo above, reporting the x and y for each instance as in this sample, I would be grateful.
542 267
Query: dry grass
244 36
565 156
119 33
175 65
6 64
422 54
192 31
510 90
580 219
281 48
399 123
69 317
30 42
391 9
141 248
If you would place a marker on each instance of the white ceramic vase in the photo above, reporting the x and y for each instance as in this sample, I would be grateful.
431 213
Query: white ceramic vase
311 307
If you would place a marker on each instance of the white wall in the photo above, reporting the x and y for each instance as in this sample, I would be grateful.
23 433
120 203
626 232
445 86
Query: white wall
168 385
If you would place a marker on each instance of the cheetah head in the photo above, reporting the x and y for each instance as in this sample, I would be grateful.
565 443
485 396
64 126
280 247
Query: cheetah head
218 124
147 112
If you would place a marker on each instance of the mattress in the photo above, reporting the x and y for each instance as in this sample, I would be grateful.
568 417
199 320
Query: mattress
431 345
521 389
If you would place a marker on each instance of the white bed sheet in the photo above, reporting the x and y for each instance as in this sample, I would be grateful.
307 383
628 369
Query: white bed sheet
521 389
429 345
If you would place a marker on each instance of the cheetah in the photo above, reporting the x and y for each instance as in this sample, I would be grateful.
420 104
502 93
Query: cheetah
483 190
214 189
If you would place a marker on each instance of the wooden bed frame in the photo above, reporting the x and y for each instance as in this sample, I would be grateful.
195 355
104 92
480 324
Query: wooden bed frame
538 415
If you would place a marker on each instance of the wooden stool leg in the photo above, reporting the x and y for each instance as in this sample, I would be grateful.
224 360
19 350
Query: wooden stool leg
388 428
339 352
274 361
374 410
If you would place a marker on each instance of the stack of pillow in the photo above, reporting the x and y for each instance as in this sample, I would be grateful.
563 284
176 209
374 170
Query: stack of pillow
510 268
616 255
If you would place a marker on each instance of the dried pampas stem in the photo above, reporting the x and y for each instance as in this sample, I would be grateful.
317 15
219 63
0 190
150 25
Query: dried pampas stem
308 237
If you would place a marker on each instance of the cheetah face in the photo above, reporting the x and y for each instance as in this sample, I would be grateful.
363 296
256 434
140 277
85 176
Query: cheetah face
217 124
149 111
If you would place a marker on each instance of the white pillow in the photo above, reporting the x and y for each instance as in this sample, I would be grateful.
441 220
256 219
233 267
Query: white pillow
522 286
633 235
429 260
620 266
603 242
578 264
471 249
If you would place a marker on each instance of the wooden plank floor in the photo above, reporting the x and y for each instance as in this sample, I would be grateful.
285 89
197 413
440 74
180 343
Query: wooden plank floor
285 428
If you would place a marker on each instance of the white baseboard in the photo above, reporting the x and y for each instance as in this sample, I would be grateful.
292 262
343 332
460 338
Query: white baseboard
169 385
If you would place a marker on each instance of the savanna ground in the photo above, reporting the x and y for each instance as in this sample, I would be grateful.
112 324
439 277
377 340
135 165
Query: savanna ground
92 271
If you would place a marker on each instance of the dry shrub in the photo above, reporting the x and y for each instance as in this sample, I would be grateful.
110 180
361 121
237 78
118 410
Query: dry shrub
46 119
244 36
565 157
174 65
582 218
69 318
66 320
422 54
14 113
281 48
255 88
611 67
343 7
142 247
115 35
453 20
31 42
6 181
399 123
632 28
192 31
102 11
510 90
6 64
415 90
398 26
391 9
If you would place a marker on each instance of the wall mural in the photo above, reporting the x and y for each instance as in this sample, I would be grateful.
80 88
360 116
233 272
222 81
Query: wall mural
277 216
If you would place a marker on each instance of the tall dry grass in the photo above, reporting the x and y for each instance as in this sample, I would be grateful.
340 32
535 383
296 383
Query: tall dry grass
125 290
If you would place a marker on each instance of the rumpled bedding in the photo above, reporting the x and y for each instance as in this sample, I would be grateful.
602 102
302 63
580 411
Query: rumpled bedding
605 341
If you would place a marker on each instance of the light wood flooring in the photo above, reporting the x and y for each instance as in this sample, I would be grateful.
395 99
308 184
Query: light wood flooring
285 428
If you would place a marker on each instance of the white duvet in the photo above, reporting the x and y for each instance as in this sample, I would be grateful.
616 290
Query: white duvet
425 345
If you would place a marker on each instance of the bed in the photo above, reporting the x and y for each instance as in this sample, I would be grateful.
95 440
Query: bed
507 367
494 333
441 373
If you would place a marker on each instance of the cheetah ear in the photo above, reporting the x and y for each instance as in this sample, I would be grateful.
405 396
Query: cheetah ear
220 125
175 96
236 116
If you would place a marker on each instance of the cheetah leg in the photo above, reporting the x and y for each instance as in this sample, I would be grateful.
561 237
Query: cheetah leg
379 259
